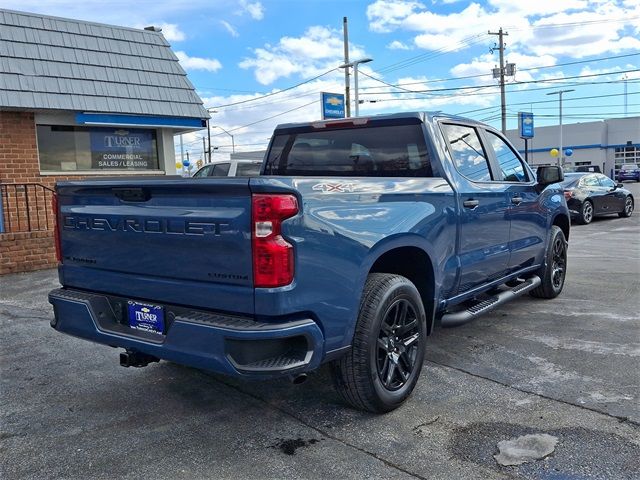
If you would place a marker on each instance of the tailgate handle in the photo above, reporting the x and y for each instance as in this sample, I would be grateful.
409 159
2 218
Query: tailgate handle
132 194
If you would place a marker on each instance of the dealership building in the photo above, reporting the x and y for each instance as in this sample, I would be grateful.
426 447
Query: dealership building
606 143
80 99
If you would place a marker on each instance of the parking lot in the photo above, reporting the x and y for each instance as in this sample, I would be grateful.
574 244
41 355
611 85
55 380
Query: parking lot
569 368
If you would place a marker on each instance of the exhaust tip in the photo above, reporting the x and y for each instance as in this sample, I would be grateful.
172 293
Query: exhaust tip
298 379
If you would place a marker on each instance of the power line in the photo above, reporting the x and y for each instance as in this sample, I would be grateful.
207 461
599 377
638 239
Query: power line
466 77
547 80
278 92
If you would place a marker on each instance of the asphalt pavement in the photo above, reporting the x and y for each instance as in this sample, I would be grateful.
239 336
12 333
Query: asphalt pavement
568 368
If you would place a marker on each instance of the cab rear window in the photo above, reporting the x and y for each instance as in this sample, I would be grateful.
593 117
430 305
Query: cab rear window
385 151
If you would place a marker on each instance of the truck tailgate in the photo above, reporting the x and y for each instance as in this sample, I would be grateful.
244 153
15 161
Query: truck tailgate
164 239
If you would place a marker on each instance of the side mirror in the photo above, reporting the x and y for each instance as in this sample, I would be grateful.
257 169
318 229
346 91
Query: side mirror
619 185
548 174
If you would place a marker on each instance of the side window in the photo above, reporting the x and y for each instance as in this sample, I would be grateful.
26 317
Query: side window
510 165
220 170
468 155
590 181
203 172
246 169
606 181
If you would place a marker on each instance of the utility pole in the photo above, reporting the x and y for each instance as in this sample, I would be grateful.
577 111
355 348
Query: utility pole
347 96
559 93
503 99
204 149
181 149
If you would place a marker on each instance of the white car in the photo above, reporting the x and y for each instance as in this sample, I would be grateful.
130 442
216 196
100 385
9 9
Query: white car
233 168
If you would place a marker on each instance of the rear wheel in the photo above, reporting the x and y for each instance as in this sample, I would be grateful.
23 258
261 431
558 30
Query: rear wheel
386 357
586 212
628 207
555 266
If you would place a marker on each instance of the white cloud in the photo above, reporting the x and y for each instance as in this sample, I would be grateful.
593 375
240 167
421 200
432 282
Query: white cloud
398 45
197 63
484 64
538 7
171 31
386 15
588 27
583 34
254 9
318 50
229 28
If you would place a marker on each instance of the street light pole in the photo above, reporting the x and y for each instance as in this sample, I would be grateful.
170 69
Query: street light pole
355 64
559 93
233 143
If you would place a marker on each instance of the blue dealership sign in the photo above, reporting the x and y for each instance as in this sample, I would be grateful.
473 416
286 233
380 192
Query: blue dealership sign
525 124
123 148
332 105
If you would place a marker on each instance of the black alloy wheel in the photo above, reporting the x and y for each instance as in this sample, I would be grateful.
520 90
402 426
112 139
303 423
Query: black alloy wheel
554 271
586 212
559 265
385 360
398 342
628 207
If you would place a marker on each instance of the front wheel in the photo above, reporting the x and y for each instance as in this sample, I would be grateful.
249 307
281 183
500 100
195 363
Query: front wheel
384 363
628 207
554 271
586 212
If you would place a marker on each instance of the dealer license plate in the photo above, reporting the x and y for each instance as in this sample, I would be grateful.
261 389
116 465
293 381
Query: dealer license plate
143 316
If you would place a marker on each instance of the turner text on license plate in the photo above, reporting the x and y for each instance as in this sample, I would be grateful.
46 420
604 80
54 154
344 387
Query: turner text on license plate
149 318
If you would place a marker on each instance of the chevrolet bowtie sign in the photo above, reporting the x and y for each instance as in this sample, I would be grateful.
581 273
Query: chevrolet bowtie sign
525 124
332 105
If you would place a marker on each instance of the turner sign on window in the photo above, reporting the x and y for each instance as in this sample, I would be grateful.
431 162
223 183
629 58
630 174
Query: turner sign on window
119 148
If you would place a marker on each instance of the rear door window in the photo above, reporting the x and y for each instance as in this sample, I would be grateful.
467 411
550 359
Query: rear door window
220 170
468 154
381 151
246 169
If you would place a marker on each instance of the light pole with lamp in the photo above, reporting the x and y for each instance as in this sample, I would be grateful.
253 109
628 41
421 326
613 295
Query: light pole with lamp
559 93
233 143
355 64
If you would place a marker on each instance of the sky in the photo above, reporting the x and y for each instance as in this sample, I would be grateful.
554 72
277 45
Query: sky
258 63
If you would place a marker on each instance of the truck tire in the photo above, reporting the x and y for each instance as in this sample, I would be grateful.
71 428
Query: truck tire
384 363
554 271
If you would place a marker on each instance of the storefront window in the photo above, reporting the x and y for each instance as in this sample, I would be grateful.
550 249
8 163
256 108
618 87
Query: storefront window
68 148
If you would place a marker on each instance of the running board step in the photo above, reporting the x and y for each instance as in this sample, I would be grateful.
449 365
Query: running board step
459 318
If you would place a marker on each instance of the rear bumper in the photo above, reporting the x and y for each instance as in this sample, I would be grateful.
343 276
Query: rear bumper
237 346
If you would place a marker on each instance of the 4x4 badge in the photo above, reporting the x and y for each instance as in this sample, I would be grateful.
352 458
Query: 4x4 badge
334 187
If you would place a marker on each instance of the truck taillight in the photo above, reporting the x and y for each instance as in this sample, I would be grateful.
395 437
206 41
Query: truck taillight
56 227
273 260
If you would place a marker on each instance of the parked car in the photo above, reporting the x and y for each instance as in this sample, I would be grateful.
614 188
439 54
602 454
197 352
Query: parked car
233 168
358 236
592 194
629 171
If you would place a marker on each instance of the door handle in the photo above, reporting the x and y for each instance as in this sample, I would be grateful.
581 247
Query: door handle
516 200
471 204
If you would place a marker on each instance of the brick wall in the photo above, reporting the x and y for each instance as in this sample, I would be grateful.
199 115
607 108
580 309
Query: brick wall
23 251
26 251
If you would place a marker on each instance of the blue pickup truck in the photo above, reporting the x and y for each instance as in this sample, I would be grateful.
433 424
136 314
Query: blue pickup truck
359 236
